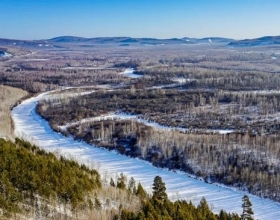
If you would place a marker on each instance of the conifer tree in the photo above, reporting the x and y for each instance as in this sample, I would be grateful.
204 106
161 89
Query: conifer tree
140 191
247 213
159 189
121 184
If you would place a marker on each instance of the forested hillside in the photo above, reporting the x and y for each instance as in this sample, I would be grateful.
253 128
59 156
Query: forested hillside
29 174
34 183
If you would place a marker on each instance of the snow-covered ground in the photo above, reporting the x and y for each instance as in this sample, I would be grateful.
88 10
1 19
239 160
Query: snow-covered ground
130 73
35 59
155 125
86 68
6 55
32 127
181 80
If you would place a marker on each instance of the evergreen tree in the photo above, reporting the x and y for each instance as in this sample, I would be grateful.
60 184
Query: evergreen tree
121 184
159 189
247 209
204 210
140 191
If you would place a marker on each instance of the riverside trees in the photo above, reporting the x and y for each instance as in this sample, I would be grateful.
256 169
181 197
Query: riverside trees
160 207
244 155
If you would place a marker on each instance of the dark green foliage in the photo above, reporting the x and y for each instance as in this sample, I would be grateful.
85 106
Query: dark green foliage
27 171
159 189
181 210
160 207
204 210
121 184
140 191
247 209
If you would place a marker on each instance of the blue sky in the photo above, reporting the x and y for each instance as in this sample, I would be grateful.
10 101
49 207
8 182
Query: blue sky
42 19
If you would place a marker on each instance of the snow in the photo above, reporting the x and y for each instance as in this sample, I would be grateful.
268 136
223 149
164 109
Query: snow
34 60
181 80
32 127
123 116
86 68
130 73
6 55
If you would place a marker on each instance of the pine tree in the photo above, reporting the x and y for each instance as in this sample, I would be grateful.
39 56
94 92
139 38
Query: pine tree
140 191
204 210
159 189
247 209
121 184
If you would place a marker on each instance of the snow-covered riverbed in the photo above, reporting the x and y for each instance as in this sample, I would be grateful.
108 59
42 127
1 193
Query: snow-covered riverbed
155 125
130 73
32 127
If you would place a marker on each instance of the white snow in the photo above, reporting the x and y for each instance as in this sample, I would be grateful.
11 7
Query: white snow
32 127
130 73
123 116
181 80
6 55
86 68
35 59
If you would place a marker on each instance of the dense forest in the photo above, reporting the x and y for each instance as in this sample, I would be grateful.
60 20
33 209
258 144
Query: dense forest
29 174
33 180
158 206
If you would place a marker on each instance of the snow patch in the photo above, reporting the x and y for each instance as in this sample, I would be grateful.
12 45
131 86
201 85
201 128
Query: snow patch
130 73
5 54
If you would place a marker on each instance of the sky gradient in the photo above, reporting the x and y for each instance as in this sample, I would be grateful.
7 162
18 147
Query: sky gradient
43 19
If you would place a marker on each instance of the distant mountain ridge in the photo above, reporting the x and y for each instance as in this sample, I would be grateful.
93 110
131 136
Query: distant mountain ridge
115 40
262 41
63 41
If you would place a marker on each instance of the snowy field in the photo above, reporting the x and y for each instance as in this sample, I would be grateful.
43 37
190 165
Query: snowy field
32 127
130 73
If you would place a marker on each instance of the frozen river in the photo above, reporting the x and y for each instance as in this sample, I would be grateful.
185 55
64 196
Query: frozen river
32 127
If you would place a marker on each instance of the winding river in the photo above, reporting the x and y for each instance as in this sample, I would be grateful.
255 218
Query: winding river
30 126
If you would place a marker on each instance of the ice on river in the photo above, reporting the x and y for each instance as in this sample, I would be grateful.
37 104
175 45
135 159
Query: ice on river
32 127
130 73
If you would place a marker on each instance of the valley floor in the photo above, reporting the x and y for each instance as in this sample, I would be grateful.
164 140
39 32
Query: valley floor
32 127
